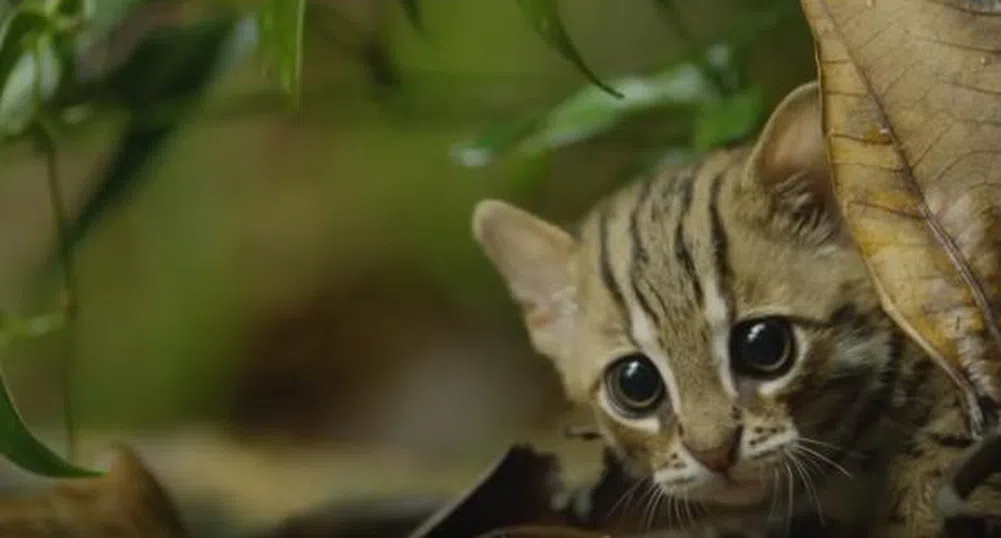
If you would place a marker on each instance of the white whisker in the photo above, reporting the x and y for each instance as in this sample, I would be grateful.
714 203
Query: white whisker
628 494
811 490
827 460
791 501
775 493
647 499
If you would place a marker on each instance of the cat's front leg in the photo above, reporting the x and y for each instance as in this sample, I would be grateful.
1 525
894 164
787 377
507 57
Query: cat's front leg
918 473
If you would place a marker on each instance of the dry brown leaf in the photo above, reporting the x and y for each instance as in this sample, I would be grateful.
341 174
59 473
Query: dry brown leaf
912 112
543 531
517 489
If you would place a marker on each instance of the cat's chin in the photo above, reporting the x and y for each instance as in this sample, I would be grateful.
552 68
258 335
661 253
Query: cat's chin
726 492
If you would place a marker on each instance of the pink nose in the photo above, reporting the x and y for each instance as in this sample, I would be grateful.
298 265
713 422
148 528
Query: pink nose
720 457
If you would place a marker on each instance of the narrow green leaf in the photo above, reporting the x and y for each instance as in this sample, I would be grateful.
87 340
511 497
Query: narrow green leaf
588 113
591 112
498 138
16 101
32 80
159 85
281 27
726 120
544 16
23 449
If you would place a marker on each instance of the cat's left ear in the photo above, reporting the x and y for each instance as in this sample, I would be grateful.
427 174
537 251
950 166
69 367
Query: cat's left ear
790 162
536 260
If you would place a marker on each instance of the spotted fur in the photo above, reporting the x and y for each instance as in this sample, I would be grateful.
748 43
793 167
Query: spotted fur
860 430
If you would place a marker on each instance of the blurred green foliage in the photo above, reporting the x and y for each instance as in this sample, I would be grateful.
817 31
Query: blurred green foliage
254 197
281 24
41 42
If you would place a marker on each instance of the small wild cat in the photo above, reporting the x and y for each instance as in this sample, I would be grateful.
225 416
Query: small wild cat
721 324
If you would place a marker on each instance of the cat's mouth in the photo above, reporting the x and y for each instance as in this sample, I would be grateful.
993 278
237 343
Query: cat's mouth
733 489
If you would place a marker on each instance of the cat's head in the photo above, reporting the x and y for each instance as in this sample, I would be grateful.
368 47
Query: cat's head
718 318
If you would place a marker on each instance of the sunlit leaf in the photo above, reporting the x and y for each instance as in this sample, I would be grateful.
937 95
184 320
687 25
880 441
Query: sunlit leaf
32 80
281 25
722 121
16 29
544 16
588 112
23 449
591 111
498 138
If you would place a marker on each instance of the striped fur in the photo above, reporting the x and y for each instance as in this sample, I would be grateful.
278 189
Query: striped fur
859 431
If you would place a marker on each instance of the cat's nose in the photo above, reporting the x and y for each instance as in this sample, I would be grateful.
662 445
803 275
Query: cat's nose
719 458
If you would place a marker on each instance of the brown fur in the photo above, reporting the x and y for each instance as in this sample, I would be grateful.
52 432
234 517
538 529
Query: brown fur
860 430
127 502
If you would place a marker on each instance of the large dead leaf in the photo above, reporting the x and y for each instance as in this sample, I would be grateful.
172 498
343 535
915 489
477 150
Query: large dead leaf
516 489
912 112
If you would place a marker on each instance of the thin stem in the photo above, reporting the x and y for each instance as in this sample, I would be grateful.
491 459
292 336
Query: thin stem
70 290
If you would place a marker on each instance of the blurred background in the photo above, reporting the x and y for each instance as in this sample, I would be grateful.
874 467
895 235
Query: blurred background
288 307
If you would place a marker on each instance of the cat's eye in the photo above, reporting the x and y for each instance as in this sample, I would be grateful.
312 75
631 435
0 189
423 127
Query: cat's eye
762 347
634 385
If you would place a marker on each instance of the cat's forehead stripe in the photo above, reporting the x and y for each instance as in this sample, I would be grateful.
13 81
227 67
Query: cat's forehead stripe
639 256
605 260
681 252
723 272
719 302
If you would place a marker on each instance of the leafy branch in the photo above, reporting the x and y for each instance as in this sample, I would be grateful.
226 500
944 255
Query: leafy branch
44 45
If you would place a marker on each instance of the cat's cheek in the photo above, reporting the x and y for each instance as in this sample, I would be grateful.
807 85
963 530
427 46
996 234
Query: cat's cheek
633 446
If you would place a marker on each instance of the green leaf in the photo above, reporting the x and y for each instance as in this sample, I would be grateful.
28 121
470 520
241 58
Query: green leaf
17 443
281 24
32 80
500 137
412 8
726 120
587 113
159 85
544 16
23 449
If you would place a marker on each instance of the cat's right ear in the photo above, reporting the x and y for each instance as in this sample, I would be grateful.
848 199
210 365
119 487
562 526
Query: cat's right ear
536 260
790 161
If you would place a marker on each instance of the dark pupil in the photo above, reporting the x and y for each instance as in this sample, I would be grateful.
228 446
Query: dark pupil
639 383
762 346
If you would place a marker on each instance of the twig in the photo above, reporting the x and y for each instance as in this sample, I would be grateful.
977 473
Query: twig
70 293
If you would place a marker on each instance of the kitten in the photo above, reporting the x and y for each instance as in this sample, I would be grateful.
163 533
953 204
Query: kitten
721 324
127 502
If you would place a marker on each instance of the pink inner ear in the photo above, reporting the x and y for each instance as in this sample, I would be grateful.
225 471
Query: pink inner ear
800 146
